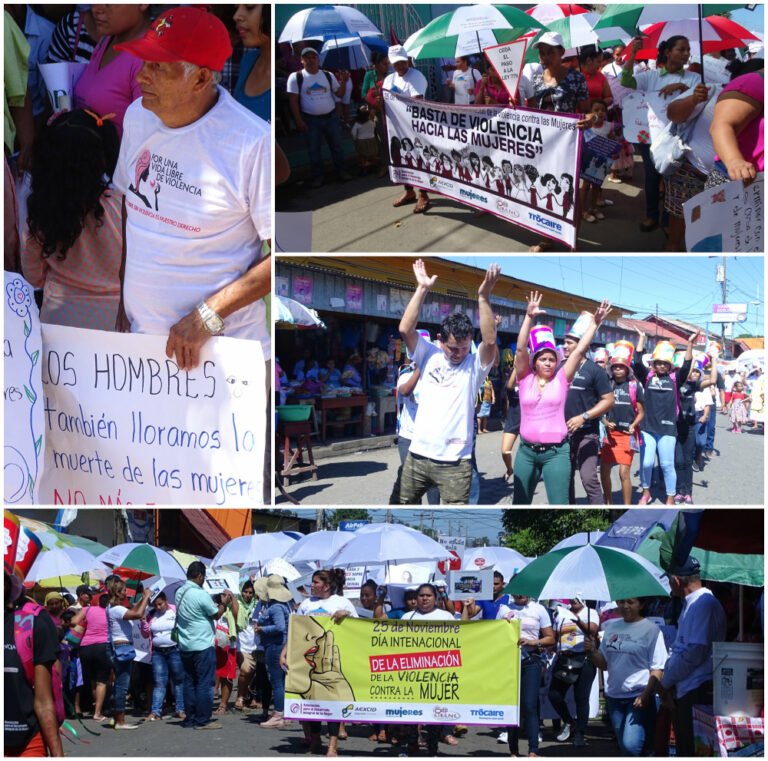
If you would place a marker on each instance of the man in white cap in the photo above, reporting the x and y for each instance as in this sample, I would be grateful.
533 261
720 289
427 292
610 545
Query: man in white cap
413 83
313 107
755 50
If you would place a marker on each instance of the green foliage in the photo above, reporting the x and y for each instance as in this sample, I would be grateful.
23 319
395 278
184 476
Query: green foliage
535 532
347 514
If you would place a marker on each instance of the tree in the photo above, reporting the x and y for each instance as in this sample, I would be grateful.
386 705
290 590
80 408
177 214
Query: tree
535 532
347 514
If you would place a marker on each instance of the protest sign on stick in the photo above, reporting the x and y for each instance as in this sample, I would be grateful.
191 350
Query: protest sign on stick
124 425
507 60
23 404
517 163
403 672
726 218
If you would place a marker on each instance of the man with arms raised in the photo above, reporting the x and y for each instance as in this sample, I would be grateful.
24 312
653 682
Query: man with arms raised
451 376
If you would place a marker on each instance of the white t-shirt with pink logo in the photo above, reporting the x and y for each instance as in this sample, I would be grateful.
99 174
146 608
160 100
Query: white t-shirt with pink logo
198 204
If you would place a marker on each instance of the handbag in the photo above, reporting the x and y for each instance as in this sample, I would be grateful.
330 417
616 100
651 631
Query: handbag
122 653
567 668
670 148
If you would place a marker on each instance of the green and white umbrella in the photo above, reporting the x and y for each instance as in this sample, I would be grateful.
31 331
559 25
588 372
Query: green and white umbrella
592 572
468 29
577 32
136 559
632 17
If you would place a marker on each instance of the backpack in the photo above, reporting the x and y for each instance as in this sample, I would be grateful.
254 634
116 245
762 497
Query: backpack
23 636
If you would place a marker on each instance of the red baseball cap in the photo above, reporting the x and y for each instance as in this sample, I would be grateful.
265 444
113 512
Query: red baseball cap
184 34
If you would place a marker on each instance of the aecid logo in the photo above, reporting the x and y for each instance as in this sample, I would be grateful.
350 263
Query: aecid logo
433 182
347 710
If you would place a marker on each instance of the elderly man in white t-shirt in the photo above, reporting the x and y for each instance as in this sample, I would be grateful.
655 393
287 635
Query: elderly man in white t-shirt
312 97
443 434
413 83
195 170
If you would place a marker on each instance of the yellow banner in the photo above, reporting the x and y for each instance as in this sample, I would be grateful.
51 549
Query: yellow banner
394 671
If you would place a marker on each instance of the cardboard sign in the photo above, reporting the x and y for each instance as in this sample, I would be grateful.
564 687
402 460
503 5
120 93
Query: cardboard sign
124 425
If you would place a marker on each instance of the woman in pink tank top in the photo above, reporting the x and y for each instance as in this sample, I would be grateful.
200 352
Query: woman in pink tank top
544 450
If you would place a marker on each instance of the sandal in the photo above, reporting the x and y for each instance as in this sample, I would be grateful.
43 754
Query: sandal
221 710
343 736
449 740
422 206
239 705
404 200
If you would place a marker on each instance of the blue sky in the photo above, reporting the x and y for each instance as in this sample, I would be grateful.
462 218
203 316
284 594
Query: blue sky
683 287
754 20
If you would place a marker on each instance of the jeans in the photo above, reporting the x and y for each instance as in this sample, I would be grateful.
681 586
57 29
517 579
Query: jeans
530 684
165 662
585 453
328 126
276 675
684 452
711 424
651 179
199 679
554 466
701 436
634 727
452 478
122 682
581 689
665 445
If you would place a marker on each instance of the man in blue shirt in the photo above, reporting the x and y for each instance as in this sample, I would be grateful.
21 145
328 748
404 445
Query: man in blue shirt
195 615
687 679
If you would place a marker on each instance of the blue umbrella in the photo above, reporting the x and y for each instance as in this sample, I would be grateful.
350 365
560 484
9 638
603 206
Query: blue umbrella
350 52
629 531
326 21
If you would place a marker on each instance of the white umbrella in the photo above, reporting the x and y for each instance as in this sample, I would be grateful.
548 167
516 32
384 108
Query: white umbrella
64 562
324 21
579 539
254 550
503 559
318 546
292 312
392 542
283 568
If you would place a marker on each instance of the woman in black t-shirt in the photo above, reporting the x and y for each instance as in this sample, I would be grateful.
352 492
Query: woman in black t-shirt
687 423
622 425
661 411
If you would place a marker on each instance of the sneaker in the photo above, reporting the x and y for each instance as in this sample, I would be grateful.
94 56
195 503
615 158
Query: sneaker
210 725
579 741
126 726
503 738
565 733
688 499
645 499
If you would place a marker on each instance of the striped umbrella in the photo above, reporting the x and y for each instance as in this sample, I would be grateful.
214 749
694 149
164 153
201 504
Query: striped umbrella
577 32
591 571
139 561
468 29
549 12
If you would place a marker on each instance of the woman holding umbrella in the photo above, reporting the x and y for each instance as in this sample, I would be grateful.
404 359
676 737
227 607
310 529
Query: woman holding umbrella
632 653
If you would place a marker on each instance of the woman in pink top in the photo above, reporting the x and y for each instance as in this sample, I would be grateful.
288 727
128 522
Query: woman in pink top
72 246
94 654
738 129
108 85
490 90
544 450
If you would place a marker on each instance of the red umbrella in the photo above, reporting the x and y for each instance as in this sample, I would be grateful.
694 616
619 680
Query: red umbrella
546 13
718 32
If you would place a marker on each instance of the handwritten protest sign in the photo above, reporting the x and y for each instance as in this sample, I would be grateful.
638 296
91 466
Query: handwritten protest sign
507 59
124 424
23 408
644 116
726 218
519 164
403 672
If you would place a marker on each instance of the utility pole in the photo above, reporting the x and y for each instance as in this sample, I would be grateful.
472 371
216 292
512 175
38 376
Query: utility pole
320 518
724 285
389 516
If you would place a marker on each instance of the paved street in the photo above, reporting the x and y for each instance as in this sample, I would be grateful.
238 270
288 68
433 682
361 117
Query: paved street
241 736
358 216
733 477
